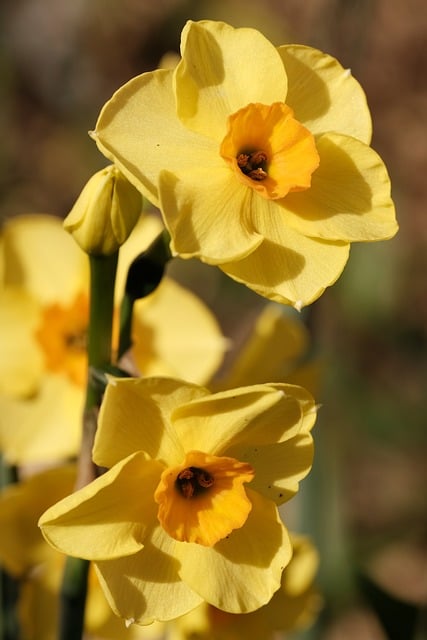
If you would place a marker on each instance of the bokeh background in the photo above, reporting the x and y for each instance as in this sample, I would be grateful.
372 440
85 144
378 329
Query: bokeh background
366 501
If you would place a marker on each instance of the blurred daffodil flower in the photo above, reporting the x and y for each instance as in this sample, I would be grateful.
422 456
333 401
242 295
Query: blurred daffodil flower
294 606
276 349
43 322
188 510
257 156
25 555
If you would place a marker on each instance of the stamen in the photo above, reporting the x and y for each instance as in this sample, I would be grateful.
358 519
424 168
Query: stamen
193 481
253 164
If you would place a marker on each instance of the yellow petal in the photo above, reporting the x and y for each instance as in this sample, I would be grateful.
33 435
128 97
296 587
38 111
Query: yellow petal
41 257
45 427
135 416
203 499
290 608
146 230
139 130
241 572
21 544
109 517
21 362
349 198
305 401
207 213
146 586
222 70
210 424
275 341
303 567
189 347
289 267
279 467
324 95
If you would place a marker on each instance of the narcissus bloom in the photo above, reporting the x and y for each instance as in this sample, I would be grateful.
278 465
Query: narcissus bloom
26 556
257 156
294 606
187 511
43 321
276 350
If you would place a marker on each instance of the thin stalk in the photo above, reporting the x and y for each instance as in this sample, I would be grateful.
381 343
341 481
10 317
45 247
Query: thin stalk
9 586
102 280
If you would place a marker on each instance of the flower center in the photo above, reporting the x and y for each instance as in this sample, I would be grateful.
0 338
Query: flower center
203 500
269 150
192 481
253 164
62 337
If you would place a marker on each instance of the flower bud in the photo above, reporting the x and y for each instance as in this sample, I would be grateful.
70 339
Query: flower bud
105 212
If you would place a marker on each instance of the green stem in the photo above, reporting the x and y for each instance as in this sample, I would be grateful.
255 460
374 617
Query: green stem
9 586
126 310
102 281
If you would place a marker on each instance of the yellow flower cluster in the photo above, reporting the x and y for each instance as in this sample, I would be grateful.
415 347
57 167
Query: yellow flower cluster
266 171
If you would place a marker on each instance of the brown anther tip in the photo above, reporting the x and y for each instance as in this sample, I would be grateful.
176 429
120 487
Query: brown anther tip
193 481
257 174
242 160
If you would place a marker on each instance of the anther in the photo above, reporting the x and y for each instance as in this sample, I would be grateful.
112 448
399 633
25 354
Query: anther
253 164
192 481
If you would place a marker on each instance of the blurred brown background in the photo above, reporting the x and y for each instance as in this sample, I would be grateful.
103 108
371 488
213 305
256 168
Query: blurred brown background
61 60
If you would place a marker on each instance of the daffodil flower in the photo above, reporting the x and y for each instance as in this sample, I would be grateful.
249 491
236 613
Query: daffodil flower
188 510
294 606
275 350
25 555
257 156
43 322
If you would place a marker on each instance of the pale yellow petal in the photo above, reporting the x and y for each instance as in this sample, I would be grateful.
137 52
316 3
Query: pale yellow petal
138 130
207 213
223 69
175 334
145 231
275 342
349 198
302 570
278 467
21 362
107 518
210 424
241 572
21 544
305 400
135 416
324 95
289 267
146 586
41 257
45 427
